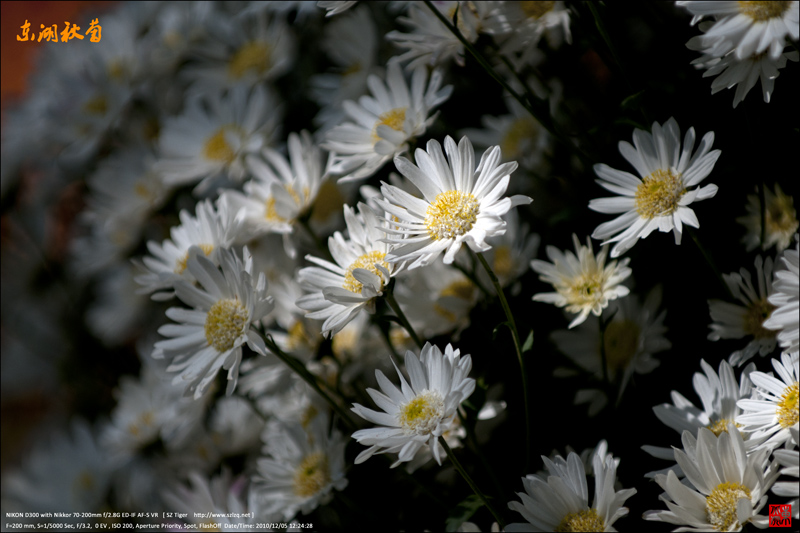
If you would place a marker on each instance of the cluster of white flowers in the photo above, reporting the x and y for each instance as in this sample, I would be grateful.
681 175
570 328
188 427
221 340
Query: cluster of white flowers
230 222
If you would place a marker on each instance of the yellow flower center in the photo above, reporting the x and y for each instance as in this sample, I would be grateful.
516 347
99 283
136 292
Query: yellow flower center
97 105
584 291
521 130
659 194
308 415
180 264
536 9
394 118
344 344
226 321
366 261
271 214
587 520
787 411
721 426
452 214
145 419
299 337
621 342
252 56
461 288
757 313
761 11
217 147
312 475
721 504
423 413
781 217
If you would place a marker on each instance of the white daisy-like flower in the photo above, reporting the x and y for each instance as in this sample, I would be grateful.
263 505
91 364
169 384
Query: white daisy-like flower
747 27
301 470
416 414
381 125
210 336
244 50
786 298
560 502
790 459
460 203
520 25
430 42
584 283
210 231
512 252
205 142
281 190
661 198
718 392
734 321
334 7
781 220
339 291
728 486
774 409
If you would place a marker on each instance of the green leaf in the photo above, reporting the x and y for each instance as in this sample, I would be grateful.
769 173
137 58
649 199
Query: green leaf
633 101
497 328
463 512
528 344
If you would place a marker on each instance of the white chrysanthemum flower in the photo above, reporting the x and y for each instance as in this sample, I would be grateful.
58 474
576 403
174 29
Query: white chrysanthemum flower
728 486
203 143
748 27
301 469
460 203
584 284
512 252
211 335
240 51
221 495
335 7
281 190
209 231
734 321
718 392
786 298
382 124
560 502
774 409
630 339
430 42
339 291
790 459
661 198
416 415
520 25
781 220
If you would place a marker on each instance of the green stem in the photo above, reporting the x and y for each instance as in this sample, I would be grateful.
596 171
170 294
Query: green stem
471 483
543 119
309 378
399 312
473 443
603 357
518 347
710 262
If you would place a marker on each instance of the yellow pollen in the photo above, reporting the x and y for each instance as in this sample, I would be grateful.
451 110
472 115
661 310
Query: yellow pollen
217 147
503 264
180 264
452 214
226 321
366 261
587 520
761 11
299 337
721 504
787 411
584 291
781 216
721 426
757 313
621 342
253 56
272 214
521 130
308 415
143 191
536 9
353 68
96 106
394 118
312 475
117 70
145 419
461 288
659 194
344 344
423 413
329 201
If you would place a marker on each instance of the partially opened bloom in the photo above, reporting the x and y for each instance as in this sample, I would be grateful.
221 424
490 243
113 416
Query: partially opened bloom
584 283
210 336
727 487
786 298
561 502
380 126
660 199
460 203
339 291
780 218
774 409
417 414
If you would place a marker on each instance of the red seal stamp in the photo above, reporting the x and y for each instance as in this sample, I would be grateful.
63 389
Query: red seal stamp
780 515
